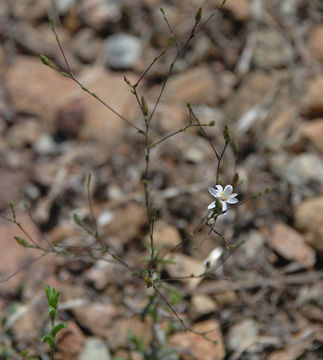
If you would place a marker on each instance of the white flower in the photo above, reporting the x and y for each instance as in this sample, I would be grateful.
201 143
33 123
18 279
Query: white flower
224 196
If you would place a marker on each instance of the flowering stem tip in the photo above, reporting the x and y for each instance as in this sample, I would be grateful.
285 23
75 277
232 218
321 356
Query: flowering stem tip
224 196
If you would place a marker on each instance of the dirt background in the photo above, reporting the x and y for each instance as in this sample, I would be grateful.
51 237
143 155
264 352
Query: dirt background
256 67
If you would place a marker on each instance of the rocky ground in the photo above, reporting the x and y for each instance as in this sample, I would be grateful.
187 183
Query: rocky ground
256 67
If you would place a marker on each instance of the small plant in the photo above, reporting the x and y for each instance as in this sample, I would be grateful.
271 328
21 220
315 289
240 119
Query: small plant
25 356
52 298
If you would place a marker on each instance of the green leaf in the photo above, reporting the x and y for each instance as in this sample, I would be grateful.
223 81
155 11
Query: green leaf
226 134
21 241
198 15
12 207
24 353
49 340
57 328
48 291
268 190
170 40
44 60
144 106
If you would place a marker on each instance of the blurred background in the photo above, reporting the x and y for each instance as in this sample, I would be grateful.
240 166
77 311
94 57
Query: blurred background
256 67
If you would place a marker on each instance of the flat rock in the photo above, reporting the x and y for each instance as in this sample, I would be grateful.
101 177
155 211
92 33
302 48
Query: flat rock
202 305
166 236
185 266
291 245
44 95
313 132
298 170
197 346
240 9
279 129
97 14
315 43
11 181
122 51
14 257
243 336
308 218
312 102
272 49
69 342
100 124
95 349
96 317
127 223
251 92
86 45
196 86
118 332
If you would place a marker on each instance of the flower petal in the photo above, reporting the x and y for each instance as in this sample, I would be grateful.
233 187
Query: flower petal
232 201
213 192
220 188
233 195
228 191
212 205
224 206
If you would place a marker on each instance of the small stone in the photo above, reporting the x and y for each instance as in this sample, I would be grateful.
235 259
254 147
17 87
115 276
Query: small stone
254 242
69 119
95 349
196 86
199 347
25 322
64 6
99 14
202 305
14 257
45 145
191 148
316 42
96 317
312 102
101 274
313 132
11 181
280 128
41 100
100 124
272 49
171 117
86 45
311 294
308 218
291 245
165 235
122 51
105 218
118 332
127 223
251 93
69 342
299 170
24 133
243 336
240 9
184 265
